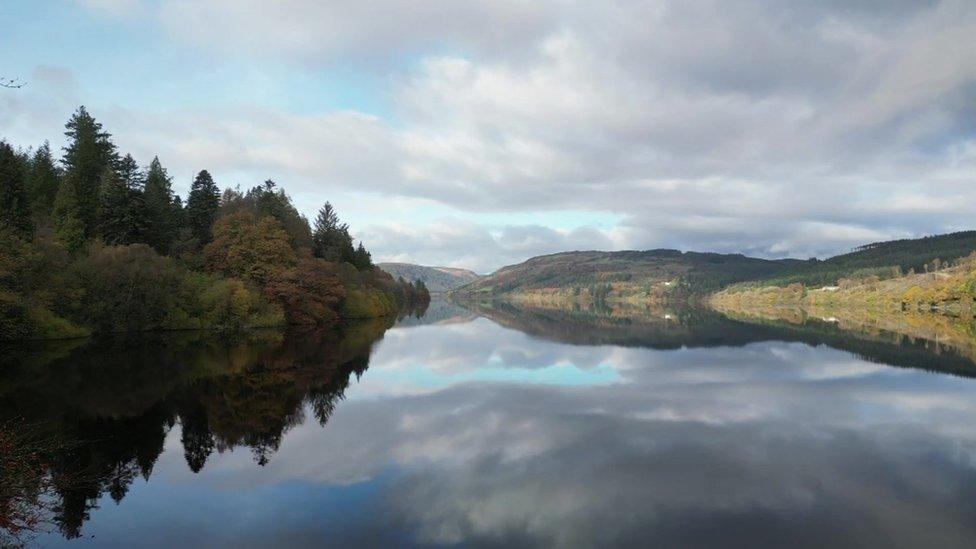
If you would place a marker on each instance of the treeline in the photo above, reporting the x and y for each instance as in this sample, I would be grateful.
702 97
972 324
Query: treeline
94 243
880 259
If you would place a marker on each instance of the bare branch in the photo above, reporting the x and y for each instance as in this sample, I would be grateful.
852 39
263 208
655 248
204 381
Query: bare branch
11 83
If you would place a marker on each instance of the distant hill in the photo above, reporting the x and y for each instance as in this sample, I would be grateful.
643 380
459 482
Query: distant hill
437 279
884 259
629 273
650 273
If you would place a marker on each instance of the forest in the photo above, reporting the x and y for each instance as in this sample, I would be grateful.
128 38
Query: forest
94 243
882 259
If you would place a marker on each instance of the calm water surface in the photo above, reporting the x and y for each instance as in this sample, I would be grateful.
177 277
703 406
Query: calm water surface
496 426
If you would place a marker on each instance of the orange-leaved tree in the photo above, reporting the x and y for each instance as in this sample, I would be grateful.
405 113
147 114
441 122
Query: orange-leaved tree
250 248
311 293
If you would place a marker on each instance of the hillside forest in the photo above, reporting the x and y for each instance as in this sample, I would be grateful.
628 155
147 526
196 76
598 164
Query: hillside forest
665 275
92 242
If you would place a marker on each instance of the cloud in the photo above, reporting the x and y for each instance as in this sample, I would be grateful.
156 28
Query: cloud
460 243
115 8
780 427
775 129
316 32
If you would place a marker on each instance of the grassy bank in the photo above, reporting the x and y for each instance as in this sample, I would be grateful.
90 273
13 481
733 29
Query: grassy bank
948 289
935 307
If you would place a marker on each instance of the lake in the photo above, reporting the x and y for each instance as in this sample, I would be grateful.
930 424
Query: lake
494 425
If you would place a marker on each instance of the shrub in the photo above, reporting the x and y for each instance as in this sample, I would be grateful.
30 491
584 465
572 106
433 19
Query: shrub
368 303
131 288
311 293
20 320
47 325
14 320
230 304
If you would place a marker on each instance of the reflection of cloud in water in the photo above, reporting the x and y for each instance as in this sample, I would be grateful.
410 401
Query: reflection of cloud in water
421 359
777 442
455 435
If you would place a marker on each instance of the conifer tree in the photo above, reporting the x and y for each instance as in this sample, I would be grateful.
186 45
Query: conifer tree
179 213
89 153
122 215
42 181
330 239
68 225
14 206
201 207
128 171
362 259
161 208
267 199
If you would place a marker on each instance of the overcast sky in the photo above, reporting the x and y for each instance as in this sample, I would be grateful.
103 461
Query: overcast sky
480 133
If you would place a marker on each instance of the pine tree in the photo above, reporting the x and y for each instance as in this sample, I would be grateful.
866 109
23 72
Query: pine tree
42 181
122 215
161 207
179 213
362 259
266 199
14 206
420 292
201 207
89 153
128 170
68 225
330 239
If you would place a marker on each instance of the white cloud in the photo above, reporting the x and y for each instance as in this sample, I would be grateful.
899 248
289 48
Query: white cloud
459 243
114 8
770 128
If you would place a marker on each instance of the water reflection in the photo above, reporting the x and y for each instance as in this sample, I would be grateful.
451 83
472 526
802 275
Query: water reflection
110 404
502 426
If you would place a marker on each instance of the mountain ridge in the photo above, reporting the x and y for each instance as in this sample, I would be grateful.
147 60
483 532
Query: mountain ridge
662 272
437 279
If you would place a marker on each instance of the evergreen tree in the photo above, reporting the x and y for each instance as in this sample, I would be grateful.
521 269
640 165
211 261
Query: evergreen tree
201 207
14 206
161 208
129 173
268 200
179 213
419 294
89 153
122 215
68 225
42 181
330 239
362 259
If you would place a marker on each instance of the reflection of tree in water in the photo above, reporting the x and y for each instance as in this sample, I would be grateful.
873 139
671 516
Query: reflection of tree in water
674 328
105 456
223 396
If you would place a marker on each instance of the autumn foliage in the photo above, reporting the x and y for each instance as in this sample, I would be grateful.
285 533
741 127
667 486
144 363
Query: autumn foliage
249 248
99 245
309 293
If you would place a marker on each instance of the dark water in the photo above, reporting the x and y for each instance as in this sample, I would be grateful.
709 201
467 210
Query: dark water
499 426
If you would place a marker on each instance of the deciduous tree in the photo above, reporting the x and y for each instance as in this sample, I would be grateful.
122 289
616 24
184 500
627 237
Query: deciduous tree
250 248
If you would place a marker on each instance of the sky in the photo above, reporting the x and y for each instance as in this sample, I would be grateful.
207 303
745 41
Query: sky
477 134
